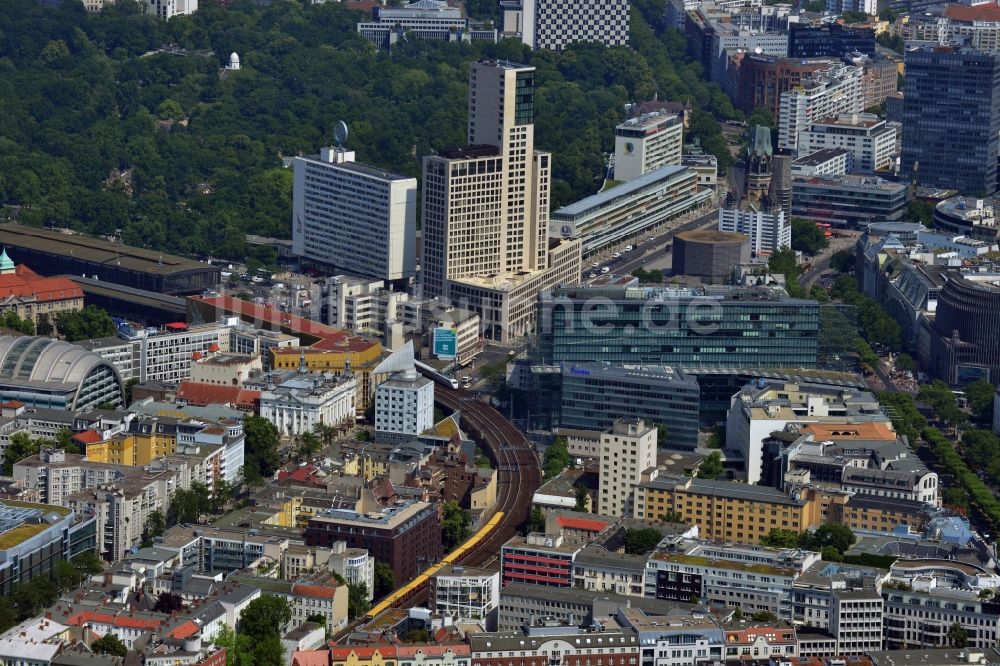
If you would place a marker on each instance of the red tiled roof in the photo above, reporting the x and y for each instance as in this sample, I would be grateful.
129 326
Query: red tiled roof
984 12
185 630
88 437
202 393
83 617
387 651
311 658
326 337
317 591
26 282
12 404
582 524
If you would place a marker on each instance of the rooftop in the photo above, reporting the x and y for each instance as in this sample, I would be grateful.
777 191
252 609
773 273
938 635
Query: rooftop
95 250
469 152
620 192
821 156
727 489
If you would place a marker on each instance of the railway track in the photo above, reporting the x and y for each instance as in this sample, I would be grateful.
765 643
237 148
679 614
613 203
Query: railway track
519 473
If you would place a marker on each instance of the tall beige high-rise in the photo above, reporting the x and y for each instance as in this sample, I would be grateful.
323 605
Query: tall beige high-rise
486 209
486 205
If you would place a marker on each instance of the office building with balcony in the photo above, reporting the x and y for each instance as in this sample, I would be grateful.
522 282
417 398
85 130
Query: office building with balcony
466 594
646 143
354 218
951 119
538 559
754 578
848 201
629 209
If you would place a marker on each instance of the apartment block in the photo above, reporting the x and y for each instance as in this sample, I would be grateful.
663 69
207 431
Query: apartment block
404 406
869 140
824 94
723 510
768 232
627 450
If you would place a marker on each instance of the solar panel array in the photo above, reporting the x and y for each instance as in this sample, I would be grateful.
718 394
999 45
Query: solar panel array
13 516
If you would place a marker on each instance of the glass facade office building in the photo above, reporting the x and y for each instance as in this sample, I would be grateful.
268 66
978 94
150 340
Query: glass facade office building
690 328
594 395
951 119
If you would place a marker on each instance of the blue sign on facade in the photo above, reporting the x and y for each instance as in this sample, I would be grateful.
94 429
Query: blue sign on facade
445 343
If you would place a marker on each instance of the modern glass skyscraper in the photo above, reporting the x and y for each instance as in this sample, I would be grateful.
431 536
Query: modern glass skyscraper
951 119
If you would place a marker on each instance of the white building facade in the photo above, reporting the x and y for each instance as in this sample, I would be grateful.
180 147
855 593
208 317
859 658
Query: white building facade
404 406
298 404
768 232
627 450
647 143
870 142
354 217
825 94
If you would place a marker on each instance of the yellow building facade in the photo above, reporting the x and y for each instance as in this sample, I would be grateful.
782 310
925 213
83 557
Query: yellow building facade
724 510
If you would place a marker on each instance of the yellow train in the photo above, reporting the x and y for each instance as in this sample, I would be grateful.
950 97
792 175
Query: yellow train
454 557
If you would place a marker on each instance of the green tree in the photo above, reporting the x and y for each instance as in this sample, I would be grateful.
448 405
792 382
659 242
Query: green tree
711 467
780 538
385 580
905 362
842 261
761 116
454 525
109 644
261 459
309 444
556 458
188 506
942 400
807 237
642 540
90 322
783 262
9 319
764 616
264 617
318 618
955 496
168 602
831 554
582 498
43 324
536 521
155 526
839 537
958 636
66 576
357 600
979 395
20 447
